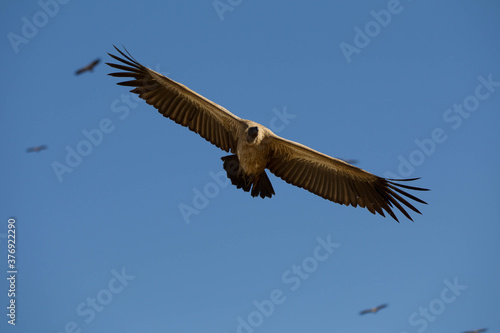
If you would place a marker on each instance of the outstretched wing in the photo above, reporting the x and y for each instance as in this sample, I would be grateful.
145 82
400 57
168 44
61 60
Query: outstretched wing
94 63
179 103
365 311
338 181
81 70
89 67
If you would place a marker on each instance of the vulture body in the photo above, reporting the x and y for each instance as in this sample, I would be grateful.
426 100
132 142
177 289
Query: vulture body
36 149
255 148
373 310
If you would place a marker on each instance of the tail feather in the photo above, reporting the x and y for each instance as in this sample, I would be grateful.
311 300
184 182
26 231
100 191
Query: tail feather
260 184
232 165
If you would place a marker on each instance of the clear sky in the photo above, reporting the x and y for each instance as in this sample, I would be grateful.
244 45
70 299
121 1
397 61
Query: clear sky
408 89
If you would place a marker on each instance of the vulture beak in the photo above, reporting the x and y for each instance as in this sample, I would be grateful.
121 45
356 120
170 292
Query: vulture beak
252 133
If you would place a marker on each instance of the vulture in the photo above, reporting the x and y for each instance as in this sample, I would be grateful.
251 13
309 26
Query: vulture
36 149
88 68
255 148
373 310
477 331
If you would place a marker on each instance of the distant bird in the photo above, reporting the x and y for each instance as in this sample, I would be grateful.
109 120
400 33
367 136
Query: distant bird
256 148
88 68
477 331
36 149
373 310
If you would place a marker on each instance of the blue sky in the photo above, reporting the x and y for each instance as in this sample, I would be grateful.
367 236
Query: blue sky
409 89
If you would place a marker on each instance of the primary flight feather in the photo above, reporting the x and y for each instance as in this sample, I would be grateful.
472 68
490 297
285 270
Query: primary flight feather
255 148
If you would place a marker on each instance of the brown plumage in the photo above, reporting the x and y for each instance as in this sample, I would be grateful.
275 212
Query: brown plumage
477 331
373 310
256 148
88 68
36 149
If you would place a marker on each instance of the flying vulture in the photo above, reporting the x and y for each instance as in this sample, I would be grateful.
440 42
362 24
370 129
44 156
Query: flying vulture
36 149
477 331
255 148
373 310
88 68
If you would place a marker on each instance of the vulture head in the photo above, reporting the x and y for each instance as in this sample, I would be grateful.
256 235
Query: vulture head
252 134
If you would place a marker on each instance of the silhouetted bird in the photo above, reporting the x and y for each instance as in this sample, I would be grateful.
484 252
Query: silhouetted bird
373 310
257 148
477 331
36 149
88 68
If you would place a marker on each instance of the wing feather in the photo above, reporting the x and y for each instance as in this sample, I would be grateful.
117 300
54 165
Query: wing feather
338 181
179 103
